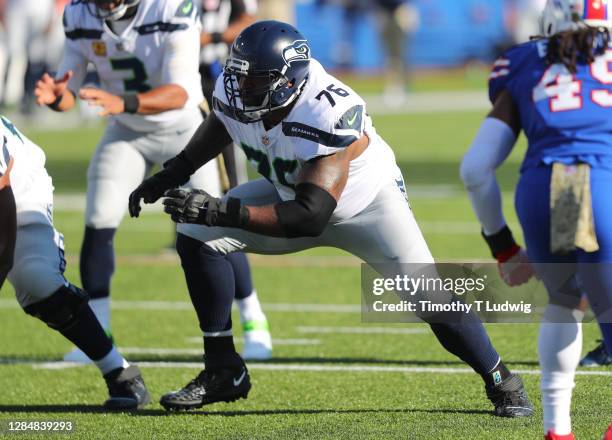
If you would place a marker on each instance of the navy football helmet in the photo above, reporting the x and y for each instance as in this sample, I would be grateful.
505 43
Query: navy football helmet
111 10
266 70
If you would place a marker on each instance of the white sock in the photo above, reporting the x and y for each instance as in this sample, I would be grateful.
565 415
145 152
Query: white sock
101 308
111 361
559 347
250 309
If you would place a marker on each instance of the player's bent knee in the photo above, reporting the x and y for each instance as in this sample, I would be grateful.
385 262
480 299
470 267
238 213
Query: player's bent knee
61 310
36 277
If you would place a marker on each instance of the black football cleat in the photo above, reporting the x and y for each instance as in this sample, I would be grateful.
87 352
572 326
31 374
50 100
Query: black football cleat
510 398
598 357
226 385
126 389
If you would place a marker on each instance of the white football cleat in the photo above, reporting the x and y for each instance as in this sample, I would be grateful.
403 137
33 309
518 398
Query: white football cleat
77 356
257 341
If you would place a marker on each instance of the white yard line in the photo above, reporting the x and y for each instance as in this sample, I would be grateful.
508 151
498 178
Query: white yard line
312 368
275 341
185 305
366 330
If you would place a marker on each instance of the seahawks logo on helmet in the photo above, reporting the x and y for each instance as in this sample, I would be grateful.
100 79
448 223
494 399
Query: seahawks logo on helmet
297 51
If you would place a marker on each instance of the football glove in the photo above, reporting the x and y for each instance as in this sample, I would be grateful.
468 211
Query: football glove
512 261
197 206
176 172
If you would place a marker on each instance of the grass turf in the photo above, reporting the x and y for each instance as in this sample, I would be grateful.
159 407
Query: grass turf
287 404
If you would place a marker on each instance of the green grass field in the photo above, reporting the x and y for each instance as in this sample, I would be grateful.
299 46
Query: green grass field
322 383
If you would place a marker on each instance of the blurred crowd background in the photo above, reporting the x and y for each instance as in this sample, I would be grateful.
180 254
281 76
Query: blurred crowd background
387 39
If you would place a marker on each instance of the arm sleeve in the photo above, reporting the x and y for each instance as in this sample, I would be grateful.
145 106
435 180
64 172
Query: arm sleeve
491 146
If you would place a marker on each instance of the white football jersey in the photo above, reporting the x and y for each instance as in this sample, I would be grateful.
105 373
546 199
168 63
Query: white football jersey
160 45
327 117
31 185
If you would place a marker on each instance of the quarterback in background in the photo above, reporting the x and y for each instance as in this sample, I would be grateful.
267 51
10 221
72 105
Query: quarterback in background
146 54
328 179
32 252
558 90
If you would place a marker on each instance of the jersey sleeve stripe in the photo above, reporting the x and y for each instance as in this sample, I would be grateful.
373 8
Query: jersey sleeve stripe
84 34
499 73
160 26
501 62
295 129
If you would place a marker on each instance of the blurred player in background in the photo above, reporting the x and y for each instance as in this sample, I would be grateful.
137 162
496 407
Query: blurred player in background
328 179
146 55
37 273
28 27
558 90
222 21
396 20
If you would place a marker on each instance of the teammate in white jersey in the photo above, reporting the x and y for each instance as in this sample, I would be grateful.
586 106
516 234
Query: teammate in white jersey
32 252
329 180
146 53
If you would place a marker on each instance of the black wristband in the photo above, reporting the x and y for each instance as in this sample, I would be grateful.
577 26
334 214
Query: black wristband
55 104
237 214
131 103
500 242
216 37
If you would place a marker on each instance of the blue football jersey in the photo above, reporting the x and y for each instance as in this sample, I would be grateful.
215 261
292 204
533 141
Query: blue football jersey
566 117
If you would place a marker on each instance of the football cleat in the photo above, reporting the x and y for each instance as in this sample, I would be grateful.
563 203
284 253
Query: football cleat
257 341
510 398
226 385
598 357
126 389
552 436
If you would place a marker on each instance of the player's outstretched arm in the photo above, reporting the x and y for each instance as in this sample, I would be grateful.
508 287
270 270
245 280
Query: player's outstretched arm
8 224
207 143
492 145
320 186
158 100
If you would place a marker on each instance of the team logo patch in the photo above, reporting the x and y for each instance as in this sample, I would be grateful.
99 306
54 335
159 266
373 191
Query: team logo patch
265 139
297 51
99 48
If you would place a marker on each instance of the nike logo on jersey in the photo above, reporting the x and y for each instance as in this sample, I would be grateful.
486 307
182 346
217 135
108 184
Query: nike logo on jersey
352 120
187 8
239 380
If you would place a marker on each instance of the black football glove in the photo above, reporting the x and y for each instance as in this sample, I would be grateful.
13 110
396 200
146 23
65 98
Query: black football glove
176 172
197 206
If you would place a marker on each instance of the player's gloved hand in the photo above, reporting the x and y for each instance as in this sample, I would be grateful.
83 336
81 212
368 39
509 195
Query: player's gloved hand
197 206
176 172
512 261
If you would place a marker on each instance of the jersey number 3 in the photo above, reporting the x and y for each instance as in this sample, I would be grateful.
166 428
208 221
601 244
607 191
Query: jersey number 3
138 80
564 91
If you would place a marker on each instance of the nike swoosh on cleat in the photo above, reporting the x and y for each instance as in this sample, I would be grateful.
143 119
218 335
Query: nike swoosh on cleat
240 379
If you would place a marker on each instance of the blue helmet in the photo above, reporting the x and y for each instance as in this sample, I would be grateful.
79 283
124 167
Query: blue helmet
110 9
266 70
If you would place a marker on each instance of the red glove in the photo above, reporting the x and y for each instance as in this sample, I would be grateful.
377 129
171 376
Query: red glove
512 261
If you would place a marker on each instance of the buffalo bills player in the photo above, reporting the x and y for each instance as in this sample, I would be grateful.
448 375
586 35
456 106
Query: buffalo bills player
558 90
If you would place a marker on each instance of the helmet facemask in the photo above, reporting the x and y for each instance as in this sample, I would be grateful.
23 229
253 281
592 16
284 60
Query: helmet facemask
111 10
253 94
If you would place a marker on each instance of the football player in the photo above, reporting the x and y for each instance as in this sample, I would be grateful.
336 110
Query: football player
328 179
558 90
32 252
146 55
